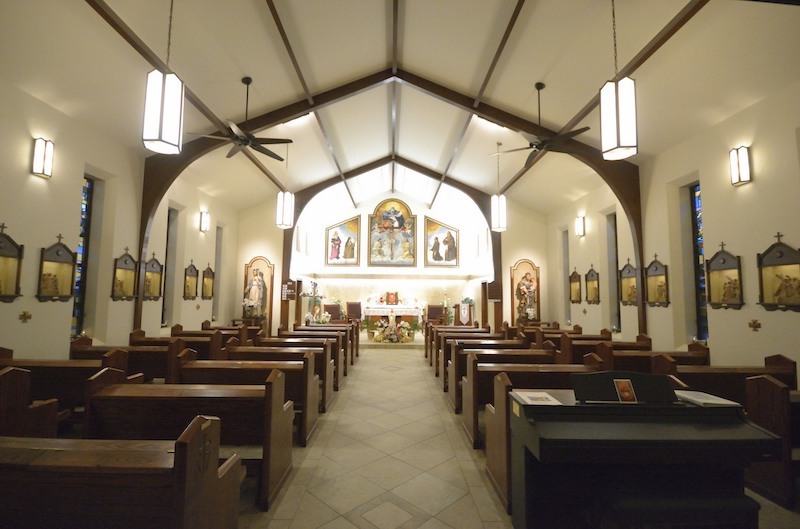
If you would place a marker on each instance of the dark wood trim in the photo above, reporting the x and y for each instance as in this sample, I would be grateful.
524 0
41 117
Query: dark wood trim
503 41
289 51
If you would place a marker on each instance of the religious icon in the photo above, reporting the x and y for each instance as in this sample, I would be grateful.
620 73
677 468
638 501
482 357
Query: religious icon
342 243
392 235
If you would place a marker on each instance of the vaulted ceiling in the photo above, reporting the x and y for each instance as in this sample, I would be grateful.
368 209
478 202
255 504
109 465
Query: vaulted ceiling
401 94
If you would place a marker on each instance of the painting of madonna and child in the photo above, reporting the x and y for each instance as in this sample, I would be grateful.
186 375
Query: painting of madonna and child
342 243
392 235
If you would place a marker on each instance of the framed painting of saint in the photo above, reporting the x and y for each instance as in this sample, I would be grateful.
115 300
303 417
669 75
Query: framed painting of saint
392 235
258 277
441 244
525 292
342 246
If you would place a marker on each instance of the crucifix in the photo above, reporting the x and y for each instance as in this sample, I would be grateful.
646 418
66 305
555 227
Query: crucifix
754 325
778 236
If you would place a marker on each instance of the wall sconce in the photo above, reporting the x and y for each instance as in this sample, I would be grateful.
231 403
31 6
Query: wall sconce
740 166
284 211
43 151
580 226
205 221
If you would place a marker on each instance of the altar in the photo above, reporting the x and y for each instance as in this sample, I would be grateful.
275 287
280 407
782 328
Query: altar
382 311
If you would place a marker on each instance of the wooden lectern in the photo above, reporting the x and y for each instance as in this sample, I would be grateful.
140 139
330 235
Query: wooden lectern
462 315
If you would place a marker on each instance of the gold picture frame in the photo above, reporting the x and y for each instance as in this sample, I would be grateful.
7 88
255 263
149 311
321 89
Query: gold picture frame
525 305
441 244
343 243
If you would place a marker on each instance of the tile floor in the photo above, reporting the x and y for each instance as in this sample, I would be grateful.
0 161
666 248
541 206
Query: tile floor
391 454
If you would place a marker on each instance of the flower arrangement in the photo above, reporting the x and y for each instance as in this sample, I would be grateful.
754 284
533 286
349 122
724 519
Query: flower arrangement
321 318
249 306
400 333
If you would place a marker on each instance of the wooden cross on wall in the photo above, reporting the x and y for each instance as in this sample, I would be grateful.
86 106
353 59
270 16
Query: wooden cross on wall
754 325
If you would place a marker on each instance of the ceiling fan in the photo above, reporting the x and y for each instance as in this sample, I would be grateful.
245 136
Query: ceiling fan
242 139
555 143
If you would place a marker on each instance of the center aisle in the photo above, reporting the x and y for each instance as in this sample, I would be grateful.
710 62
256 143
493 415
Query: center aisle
389 454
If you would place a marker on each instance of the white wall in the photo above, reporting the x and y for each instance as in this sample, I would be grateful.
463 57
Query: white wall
36 210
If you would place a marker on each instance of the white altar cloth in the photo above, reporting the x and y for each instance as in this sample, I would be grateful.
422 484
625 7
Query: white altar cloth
386 310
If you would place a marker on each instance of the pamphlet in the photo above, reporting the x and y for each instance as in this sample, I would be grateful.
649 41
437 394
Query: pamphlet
703 399
539 398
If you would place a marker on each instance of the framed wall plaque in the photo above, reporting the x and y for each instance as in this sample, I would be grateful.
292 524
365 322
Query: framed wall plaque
724 280
56 273
153 273
627 284
123 287
525 292
10 266
592 287
190 282
656 283
575 287
779 277
207 291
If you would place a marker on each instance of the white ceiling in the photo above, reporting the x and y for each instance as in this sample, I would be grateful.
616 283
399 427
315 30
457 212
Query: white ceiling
730 55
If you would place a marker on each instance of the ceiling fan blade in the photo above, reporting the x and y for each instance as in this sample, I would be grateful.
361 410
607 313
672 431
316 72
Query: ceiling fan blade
533 154
236 130
264 150
263 141
234 149
513 150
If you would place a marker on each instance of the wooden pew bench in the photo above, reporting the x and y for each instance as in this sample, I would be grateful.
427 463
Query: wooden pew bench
574 347
452 345
541 335
772 405
250 415
727 381
616 359
153 361
442 345
458 365
329 357
351 332
80 483
18 415
207 347
252 330
177 331
340 345
478 384
65 380
434 339
302 384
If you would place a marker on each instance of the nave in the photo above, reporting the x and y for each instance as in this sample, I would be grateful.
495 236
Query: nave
392 454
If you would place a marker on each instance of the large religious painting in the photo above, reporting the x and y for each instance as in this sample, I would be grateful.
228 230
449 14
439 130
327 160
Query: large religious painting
525 292
342 243
258 277
441 244
392 235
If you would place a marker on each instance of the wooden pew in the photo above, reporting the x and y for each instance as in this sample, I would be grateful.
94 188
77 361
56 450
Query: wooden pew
153 361
207 347
19 417
80 483
240 332
498 433
302 384
450 345
277 348
616 359
574 347
328 362
251 415
458 364
442 345
252 330
350 328
65 380
772 405
727 381
543 334
478 389
340 341
433 339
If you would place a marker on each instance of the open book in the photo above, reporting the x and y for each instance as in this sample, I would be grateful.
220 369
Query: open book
703 399
540 398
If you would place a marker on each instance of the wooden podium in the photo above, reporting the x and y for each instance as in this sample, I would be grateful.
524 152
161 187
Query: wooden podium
462 316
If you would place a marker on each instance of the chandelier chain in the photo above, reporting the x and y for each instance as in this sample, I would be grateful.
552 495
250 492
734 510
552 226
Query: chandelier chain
614 31
169 32
498 166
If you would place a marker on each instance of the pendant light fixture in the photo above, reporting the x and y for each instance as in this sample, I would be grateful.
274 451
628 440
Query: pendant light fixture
162 131
618 110
499 223
284 209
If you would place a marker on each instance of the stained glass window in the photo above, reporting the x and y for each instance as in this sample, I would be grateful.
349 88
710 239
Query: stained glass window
82 257
699 262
